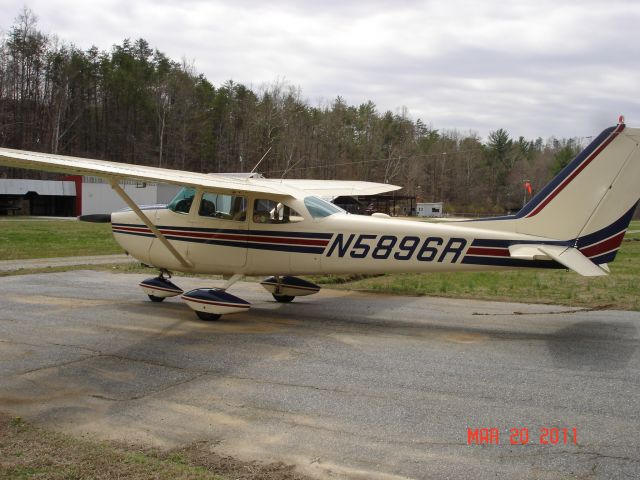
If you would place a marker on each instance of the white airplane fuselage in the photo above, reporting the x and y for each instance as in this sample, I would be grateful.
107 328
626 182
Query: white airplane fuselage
335 244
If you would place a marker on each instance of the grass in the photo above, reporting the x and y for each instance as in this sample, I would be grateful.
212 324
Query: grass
104 267
621 290
29 452
31 238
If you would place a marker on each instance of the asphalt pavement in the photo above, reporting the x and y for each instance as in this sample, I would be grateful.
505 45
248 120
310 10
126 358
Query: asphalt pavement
341 384
34 263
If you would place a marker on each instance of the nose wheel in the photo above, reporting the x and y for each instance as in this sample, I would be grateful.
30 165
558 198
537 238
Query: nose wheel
210 303
283 298
285 289
208 317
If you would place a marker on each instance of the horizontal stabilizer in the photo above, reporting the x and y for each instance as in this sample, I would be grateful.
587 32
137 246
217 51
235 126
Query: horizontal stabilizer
574 260
570 257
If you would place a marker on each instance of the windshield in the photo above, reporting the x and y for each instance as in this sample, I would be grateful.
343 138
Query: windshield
319 208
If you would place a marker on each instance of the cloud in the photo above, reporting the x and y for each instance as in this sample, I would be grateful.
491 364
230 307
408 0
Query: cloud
535 68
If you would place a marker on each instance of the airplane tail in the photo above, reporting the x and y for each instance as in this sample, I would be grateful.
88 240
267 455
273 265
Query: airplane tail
588 206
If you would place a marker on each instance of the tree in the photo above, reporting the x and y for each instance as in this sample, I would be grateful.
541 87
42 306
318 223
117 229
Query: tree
562 158
501 158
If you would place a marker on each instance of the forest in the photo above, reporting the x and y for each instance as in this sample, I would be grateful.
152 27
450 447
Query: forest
133 104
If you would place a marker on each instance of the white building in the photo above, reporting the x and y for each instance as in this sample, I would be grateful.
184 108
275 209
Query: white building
99 197
76 195
429 209
37 197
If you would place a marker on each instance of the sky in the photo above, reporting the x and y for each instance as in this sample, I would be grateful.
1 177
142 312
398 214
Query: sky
536 68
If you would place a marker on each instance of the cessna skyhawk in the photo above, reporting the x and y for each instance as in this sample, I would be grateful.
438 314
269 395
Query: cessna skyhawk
282 228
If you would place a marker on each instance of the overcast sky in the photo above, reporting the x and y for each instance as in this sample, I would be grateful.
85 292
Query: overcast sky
535 68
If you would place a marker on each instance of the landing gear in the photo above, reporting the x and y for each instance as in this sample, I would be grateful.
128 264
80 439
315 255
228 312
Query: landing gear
214 301
210 303
283 298
160 287
208 317
285 289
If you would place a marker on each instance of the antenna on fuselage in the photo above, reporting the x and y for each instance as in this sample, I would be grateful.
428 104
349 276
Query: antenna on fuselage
260 161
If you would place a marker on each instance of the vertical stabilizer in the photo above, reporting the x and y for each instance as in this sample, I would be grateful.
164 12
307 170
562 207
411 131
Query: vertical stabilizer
595 190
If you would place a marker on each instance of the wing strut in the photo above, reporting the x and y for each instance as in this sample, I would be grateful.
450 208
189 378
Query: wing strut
148 223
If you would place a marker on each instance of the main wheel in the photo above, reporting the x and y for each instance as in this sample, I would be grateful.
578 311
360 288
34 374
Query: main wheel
283 298
208 317
153 298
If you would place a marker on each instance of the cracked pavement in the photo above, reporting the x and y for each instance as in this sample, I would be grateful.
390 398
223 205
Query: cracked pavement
341 384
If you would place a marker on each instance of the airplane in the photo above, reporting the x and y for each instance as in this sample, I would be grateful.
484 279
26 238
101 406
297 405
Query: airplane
283 229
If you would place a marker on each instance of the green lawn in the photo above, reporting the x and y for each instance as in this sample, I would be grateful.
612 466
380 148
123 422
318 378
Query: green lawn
31 238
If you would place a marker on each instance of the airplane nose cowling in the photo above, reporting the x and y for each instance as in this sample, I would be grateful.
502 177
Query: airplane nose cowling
96 218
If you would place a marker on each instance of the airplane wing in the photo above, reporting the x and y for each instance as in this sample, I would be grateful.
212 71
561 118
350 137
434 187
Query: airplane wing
119 171
334 188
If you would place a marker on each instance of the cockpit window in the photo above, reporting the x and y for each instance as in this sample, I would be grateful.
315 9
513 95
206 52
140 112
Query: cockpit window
319 208
271 211
227 207
181 203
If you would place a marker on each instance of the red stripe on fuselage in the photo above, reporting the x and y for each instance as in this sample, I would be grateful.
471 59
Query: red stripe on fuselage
229 236
605 246
489 252
132 229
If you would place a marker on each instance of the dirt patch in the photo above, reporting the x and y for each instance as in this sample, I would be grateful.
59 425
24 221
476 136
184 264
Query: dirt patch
202 454
68 302
26 451
467 337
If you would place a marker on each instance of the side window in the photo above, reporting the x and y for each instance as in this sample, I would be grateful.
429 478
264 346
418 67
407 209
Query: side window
271 211
181 203
227 207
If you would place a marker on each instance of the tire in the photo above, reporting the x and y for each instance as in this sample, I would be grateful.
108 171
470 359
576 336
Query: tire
153 298
208 317
283 298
